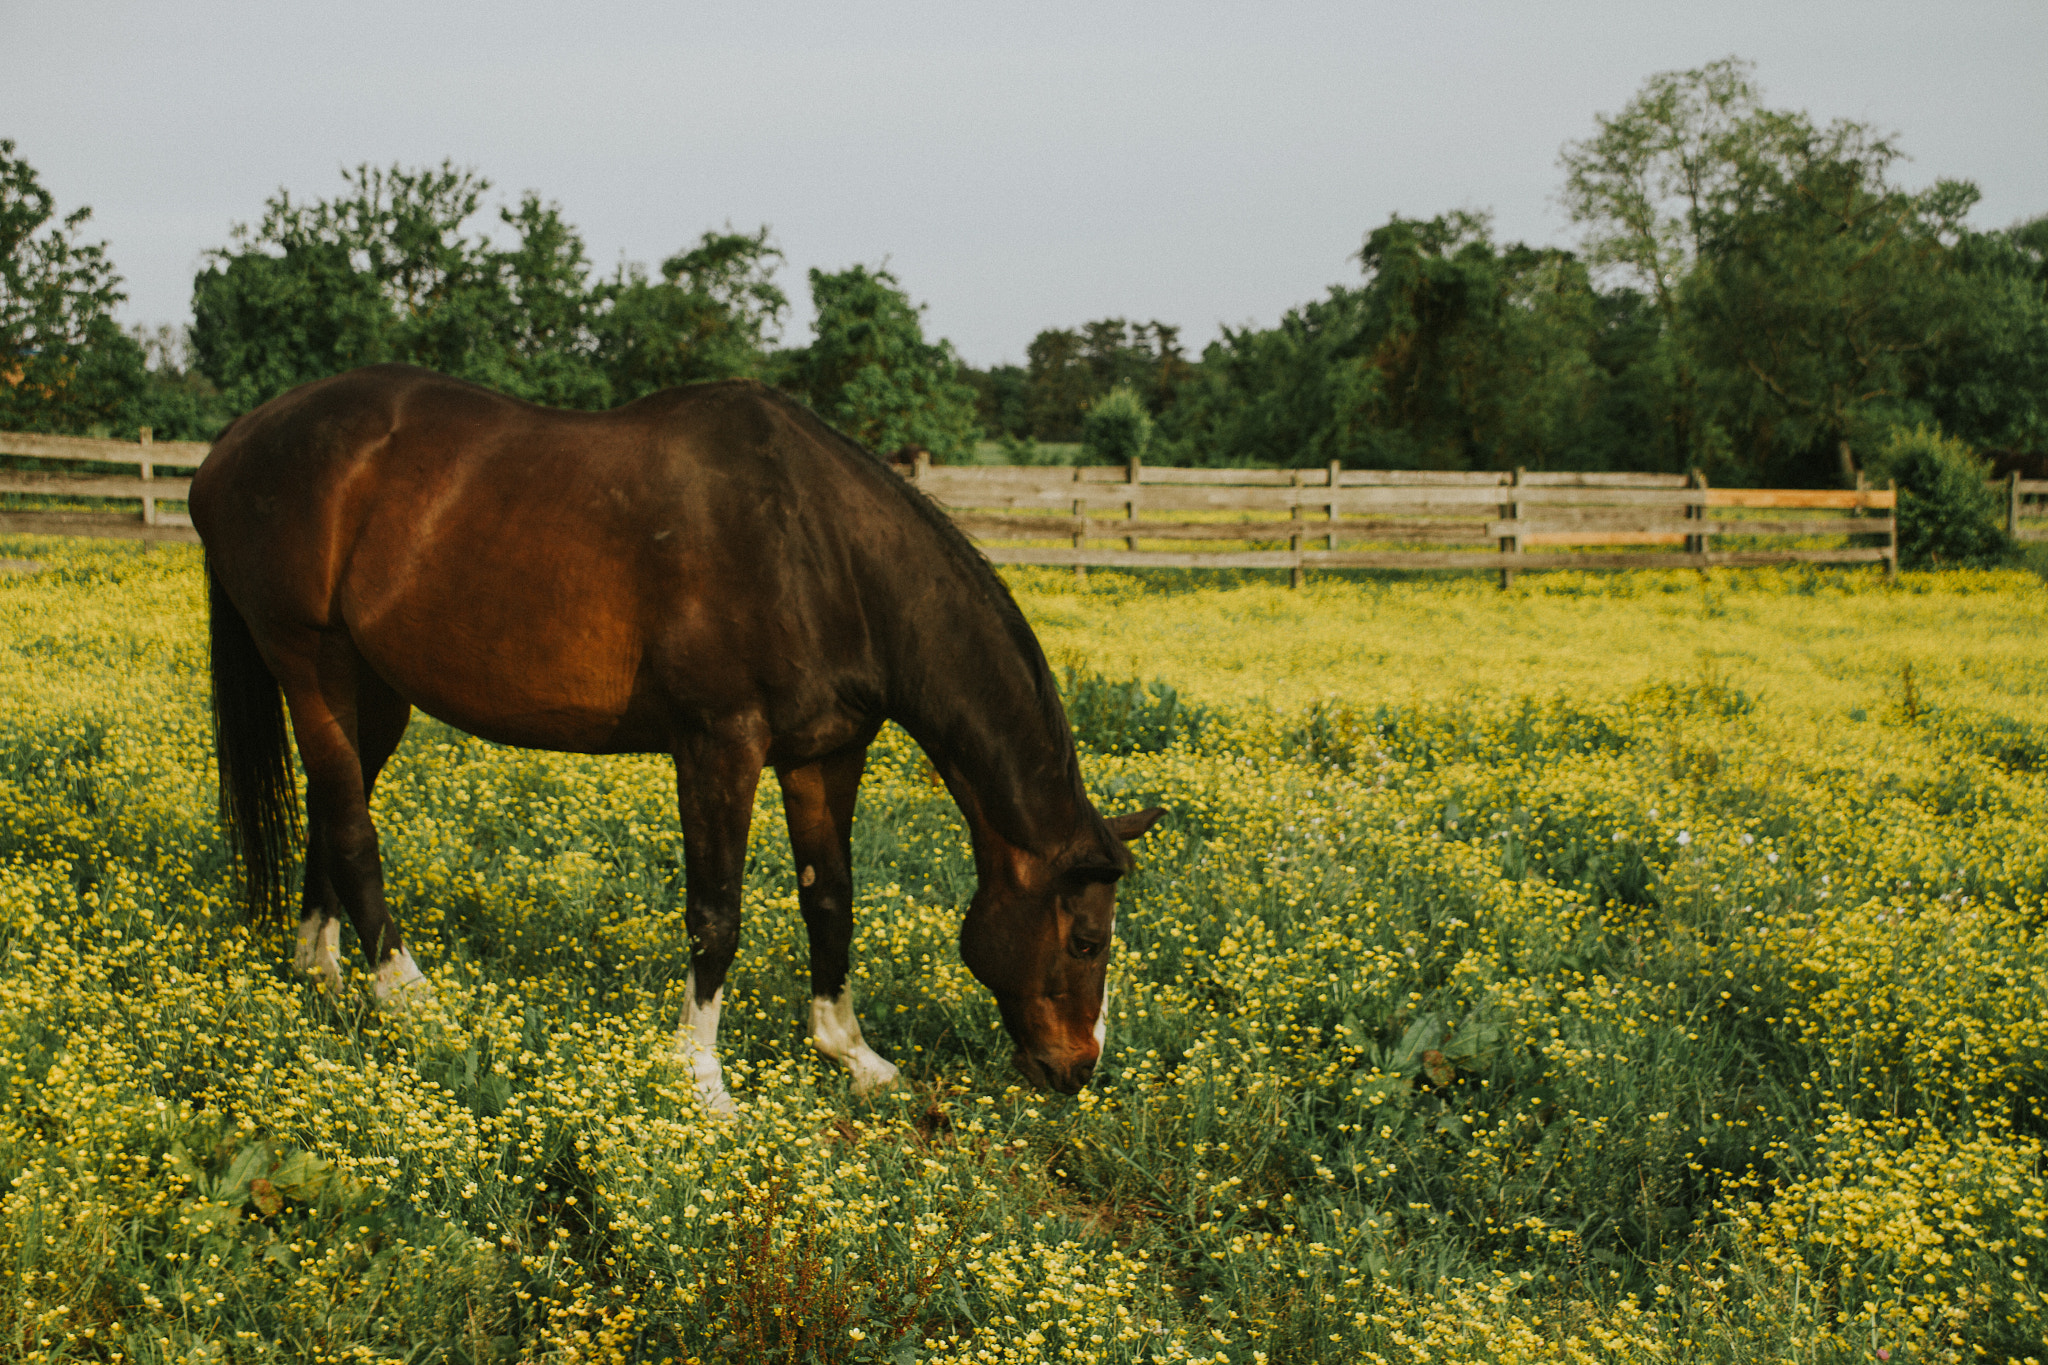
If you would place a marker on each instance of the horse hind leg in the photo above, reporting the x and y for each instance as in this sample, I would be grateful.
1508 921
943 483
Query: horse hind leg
347 723
319 942
818 801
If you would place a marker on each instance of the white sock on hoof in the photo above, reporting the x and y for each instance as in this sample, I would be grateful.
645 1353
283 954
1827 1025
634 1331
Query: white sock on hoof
697 1044
398 980
320 951
835 1032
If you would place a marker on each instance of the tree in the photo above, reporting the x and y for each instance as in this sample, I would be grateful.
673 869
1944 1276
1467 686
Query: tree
1455 353
710 316
1070 370
388 271
1819 300
870 371
1802 298
1116 427
1644 187
65 364
1989 386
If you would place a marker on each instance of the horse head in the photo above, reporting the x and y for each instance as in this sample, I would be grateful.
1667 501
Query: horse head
1040 938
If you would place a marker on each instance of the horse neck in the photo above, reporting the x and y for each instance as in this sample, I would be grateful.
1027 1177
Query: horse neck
980 699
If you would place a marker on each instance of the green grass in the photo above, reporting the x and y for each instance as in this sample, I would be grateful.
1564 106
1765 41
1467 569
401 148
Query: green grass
1628 968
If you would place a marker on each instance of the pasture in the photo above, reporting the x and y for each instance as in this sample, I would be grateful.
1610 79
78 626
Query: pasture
1644 968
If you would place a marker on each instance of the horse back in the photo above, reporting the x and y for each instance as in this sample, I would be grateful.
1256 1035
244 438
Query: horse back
588 581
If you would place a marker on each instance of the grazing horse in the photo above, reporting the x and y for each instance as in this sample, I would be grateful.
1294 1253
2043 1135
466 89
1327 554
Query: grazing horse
710 573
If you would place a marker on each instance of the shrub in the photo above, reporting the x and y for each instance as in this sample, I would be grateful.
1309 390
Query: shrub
1117 429
1128 717
1949 514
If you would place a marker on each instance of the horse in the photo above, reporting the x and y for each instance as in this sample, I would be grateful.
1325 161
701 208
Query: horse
709 572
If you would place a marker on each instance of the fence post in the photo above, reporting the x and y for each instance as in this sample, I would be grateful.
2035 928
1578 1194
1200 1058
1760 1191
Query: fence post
1081 532
1336 468
1891 540
1696 544
2012 504
921 465
1294 541
1133 476
1511 545
148 438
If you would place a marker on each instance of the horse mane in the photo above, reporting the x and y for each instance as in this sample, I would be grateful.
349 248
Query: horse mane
966 556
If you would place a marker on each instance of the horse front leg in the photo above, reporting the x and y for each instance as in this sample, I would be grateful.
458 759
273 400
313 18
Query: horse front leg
715 782
818 799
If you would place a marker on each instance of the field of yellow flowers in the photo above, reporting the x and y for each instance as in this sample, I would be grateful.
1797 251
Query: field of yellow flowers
1637 969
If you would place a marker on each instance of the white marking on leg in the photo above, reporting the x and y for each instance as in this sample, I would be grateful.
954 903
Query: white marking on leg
835 1032
398 980
697 1044
319 951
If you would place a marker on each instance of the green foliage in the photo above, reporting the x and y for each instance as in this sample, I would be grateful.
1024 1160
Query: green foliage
1949 515
65 365
389 271
1070 370
1128 717
1456 353
710 316
1989 386
1805 303
1116 429
392 270
870 371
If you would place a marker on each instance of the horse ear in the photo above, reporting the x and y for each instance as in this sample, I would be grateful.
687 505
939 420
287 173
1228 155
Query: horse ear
1136 824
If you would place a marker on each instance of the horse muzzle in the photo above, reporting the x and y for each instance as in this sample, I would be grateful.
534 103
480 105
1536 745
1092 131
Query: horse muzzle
1068 1077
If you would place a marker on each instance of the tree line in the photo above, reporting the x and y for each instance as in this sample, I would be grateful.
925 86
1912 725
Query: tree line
1755 296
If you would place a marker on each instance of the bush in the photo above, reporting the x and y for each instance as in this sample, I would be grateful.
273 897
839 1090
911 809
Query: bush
1128 717
1949 514
1117 429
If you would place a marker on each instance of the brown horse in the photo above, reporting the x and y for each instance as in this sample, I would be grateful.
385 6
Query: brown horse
710 573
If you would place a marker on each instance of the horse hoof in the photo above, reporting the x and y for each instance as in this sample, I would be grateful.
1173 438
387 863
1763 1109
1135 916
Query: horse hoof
872 1075
400 984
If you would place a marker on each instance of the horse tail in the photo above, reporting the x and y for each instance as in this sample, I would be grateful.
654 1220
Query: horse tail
259 797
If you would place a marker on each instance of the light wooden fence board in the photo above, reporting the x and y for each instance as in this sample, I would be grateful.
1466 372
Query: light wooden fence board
1524 521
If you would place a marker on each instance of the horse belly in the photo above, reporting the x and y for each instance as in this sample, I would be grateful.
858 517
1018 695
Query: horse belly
514 653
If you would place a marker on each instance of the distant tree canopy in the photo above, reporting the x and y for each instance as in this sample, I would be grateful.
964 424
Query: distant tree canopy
65 364
390 270
870 370
1754 295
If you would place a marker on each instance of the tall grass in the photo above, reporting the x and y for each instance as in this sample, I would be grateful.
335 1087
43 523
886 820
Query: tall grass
1603 970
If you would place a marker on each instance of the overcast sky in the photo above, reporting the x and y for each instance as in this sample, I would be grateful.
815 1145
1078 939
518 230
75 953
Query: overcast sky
1019 166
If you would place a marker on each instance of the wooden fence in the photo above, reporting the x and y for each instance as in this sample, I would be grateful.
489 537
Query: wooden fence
1155 516
2026 508
163 473
1337 518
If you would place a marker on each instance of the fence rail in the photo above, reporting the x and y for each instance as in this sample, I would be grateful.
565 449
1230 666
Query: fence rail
1140 515
2026 508
1337 518
64 480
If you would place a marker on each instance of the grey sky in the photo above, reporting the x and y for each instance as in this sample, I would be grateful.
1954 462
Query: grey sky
1019 166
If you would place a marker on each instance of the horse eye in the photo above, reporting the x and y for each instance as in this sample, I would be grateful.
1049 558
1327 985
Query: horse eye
1084 947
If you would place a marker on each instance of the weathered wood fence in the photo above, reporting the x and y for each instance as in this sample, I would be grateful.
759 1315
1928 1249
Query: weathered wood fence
1156 516
76 468
2026 508
1337 518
